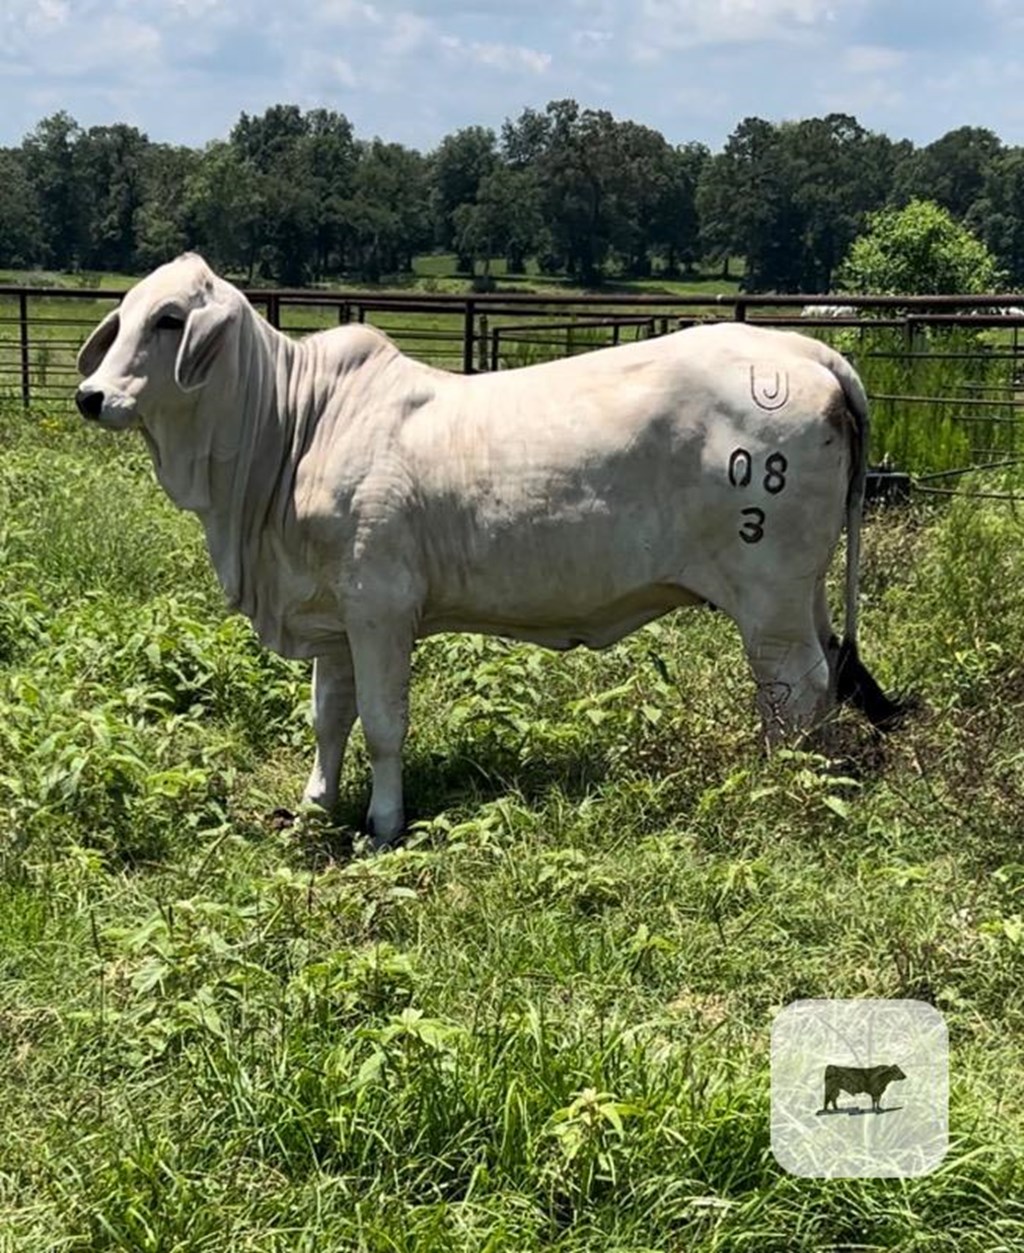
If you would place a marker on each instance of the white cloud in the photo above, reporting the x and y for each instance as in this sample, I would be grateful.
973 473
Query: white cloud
601 13
347 12
48 13
868 97
1007 11
872 59
507 57
591 42
414 70
136 46
196 11
673 24
324 72
408 33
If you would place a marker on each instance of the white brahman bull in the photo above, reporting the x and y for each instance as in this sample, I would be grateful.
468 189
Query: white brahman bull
355 500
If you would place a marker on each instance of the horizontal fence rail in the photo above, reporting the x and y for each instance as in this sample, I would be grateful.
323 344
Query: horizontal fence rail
41 328
949 369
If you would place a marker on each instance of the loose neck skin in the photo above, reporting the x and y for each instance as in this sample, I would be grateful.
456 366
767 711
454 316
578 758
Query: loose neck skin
244 433
238 434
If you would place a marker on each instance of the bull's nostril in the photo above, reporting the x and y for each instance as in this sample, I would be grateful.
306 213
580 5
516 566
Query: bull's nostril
90 404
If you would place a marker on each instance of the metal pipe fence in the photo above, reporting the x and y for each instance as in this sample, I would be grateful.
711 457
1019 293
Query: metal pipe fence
914 352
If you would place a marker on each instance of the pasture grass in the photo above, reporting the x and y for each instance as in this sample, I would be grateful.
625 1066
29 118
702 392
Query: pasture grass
543 1023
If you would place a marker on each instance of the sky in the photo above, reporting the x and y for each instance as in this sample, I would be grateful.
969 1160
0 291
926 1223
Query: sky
415 70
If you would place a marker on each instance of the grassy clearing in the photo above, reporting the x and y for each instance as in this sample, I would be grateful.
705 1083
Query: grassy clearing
543 1023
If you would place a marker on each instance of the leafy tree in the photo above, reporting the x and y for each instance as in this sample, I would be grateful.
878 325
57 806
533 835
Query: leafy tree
267 142
718 229
997 216
504 221
791 198
516 196
225 209
458 167
296 196
21 220
49 155
161 223
952 170
748 201
581 179
653 197
111 164
917 250
676 226
271 148
840 172
330 158
524 145
525 141
390 209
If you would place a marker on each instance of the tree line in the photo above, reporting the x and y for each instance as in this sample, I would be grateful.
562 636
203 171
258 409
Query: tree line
296 197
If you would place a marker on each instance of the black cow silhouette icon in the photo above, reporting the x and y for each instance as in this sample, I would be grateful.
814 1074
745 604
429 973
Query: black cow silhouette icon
857 1079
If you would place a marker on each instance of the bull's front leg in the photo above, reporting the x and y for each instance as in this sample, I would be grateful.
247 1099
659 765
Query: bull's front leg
334 712
382 657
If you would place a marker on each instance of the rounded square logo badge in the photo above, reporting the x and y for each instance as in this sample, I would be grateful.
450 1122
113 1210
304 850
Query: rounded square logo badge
859 1088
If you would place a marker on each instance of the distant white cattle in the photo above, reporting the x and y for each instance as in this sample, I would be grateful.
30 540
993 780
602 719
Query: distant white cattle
355 500
828 311
997 311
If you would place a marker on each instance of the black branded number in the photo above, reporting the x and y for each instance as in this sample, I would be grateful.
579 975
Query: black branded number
740 468
775 477
752 531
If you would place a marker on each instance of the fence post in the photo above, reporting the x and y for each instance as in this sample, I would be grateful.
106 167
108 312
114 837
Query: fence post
482 354
274 312
26 396
740 310
495 346
468 336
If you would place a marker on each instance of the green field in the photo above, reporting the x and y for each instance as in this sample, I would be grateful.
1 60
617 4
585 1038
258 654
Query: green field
544 1022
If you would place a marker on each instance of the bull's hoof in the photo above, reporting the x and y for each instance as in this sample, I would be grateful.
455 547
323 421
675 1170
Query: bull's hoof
385 840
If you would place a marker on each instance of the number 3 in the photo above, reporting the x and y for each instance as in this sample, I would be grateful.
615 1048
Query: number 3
752 532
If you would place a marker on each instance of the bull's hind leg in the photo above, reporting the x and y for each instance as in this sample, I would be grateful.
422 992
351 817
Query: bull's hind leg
791 669
334 712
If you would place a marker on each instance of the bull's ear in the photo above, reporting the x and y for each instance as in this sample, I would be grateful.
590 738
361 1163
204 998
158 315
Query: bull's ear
96 347
201 341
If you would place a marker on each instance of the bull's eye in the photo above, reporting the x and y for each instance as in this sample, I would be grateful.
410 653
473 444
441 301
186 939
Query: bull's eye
170 322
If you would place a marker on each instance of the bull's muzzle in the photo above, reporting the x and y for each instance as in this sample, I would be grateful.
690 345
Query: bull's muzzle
89 402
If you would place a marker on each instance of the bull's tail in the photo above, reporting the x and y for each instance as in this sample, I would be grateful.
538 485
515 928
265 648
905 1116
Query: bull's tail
854 682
